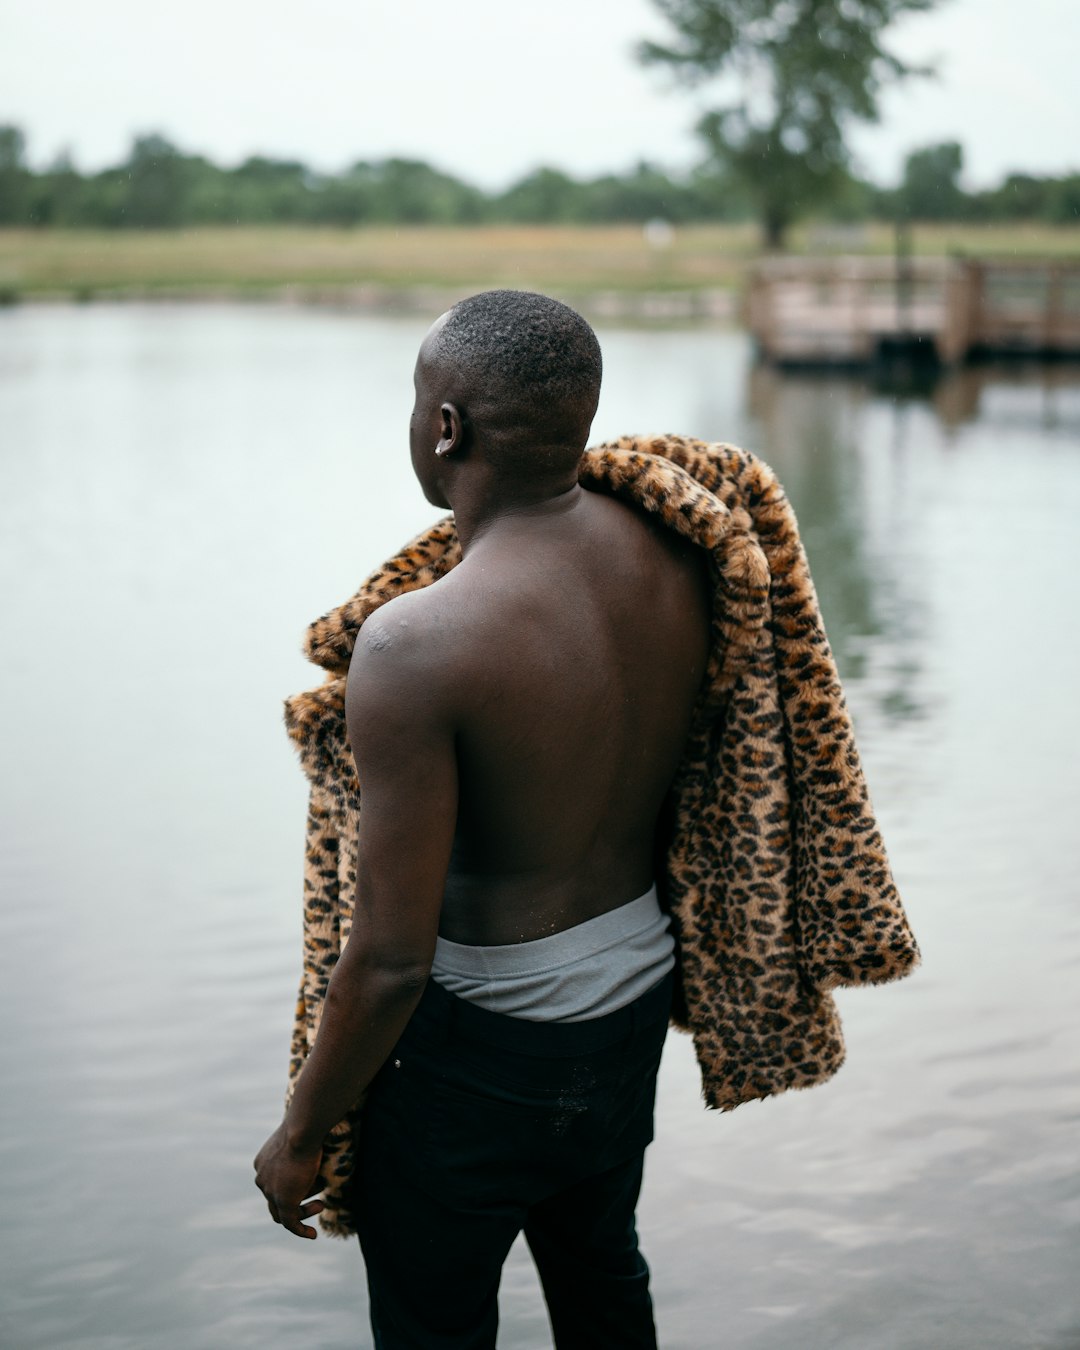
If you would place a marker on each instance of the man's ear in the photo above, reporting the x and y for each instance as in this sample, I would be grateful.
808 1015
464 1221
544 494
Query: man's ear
451 429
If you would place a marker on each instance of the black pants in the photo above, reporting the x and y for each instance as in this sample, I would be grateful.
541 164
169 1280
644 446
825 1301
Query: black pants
480 1126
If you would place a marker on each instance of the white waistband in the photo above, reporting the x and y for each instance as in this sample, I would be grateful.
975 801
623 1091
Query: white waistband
584 971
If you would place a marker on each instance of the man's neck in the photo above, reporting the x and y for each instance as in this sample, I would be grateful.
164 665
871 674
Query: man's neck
488 517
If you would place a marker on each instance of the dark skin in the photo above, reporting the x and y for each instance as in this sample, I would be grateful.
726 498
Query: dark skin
515 728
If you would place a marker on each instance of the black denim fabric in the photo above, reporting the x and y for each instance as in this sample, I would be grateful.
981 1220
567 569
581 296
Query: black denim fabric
481 1126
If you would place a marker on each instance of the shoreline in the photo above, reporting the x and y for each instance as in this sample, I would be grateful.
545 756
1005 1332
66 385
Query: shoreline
706 306
674 274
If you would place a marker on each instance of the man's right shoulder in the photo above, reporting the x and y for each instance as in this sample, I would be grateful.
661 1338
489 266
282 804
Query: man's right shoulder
416 644
413 624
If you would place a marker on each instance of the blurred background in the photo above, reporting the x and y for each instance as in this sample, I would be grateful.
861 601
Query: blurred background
843 233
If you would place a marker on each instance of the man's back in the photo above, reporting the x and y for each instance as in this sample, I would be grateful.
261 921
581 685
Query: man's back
573 646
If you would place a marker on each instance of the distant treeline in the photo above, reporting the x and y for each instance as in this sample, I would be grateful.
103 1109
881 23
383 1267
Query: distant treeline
160 187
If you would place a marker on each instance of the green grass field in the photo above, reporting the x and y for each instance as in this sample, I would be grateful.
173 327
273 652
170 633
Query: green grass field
374 265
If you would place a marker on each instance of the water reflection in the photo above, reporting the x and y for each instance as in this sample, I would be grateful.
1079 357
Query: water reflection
1022 392
841 452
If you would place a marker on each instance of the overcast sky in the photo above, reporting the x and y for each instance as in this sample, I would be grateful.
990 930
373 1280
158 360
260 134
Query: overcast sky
488 88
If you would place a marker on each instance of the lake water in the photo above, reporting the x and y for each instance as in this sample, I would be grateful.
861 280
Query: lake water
181 490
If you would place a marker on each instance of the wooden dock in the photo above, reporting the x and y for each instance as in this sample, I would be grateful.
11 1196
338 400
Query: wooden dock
854 311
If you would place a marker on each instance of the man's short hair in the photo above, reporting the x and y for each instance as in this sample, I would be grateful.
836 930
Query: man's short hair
527 353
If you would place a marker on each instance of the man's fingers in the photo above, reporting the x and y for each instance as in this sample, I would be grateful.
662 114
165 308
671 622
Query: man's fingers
278 1181
290 1219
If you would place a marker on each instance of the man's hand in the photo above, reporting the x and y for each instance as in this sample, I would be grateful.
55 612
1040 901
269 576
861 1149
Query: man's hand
287 1178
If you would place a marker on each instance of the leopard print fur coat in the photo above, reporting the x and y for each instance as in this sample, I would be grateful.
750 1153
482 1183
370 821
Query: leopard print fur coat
773 868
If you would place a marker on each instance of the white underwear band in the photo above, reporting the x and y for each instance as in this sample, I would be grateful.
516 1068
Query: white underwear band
583 972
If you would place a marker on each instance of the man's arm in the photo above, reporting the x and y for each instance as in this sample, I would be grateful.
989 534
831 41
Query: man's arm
401 730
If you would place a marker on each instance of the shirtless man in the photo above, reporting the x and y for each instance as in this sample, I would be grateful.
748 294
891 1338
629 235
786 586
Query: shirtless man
505 990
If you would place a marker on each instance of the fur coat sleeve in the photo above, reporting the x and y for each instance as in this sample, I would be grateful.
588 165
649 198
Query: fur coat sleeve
772 865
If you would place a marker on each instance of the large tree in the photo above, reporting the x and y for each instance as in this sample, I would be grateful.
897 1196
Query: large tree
14 176
801 71
931 188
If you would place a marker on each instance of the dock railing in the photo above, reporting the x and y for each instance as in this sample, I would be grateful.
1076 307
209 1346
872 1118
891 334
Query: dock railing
848 311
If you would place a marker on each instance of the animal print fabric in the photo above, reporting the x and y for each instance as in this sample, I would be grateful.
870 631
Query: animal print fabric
773 868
